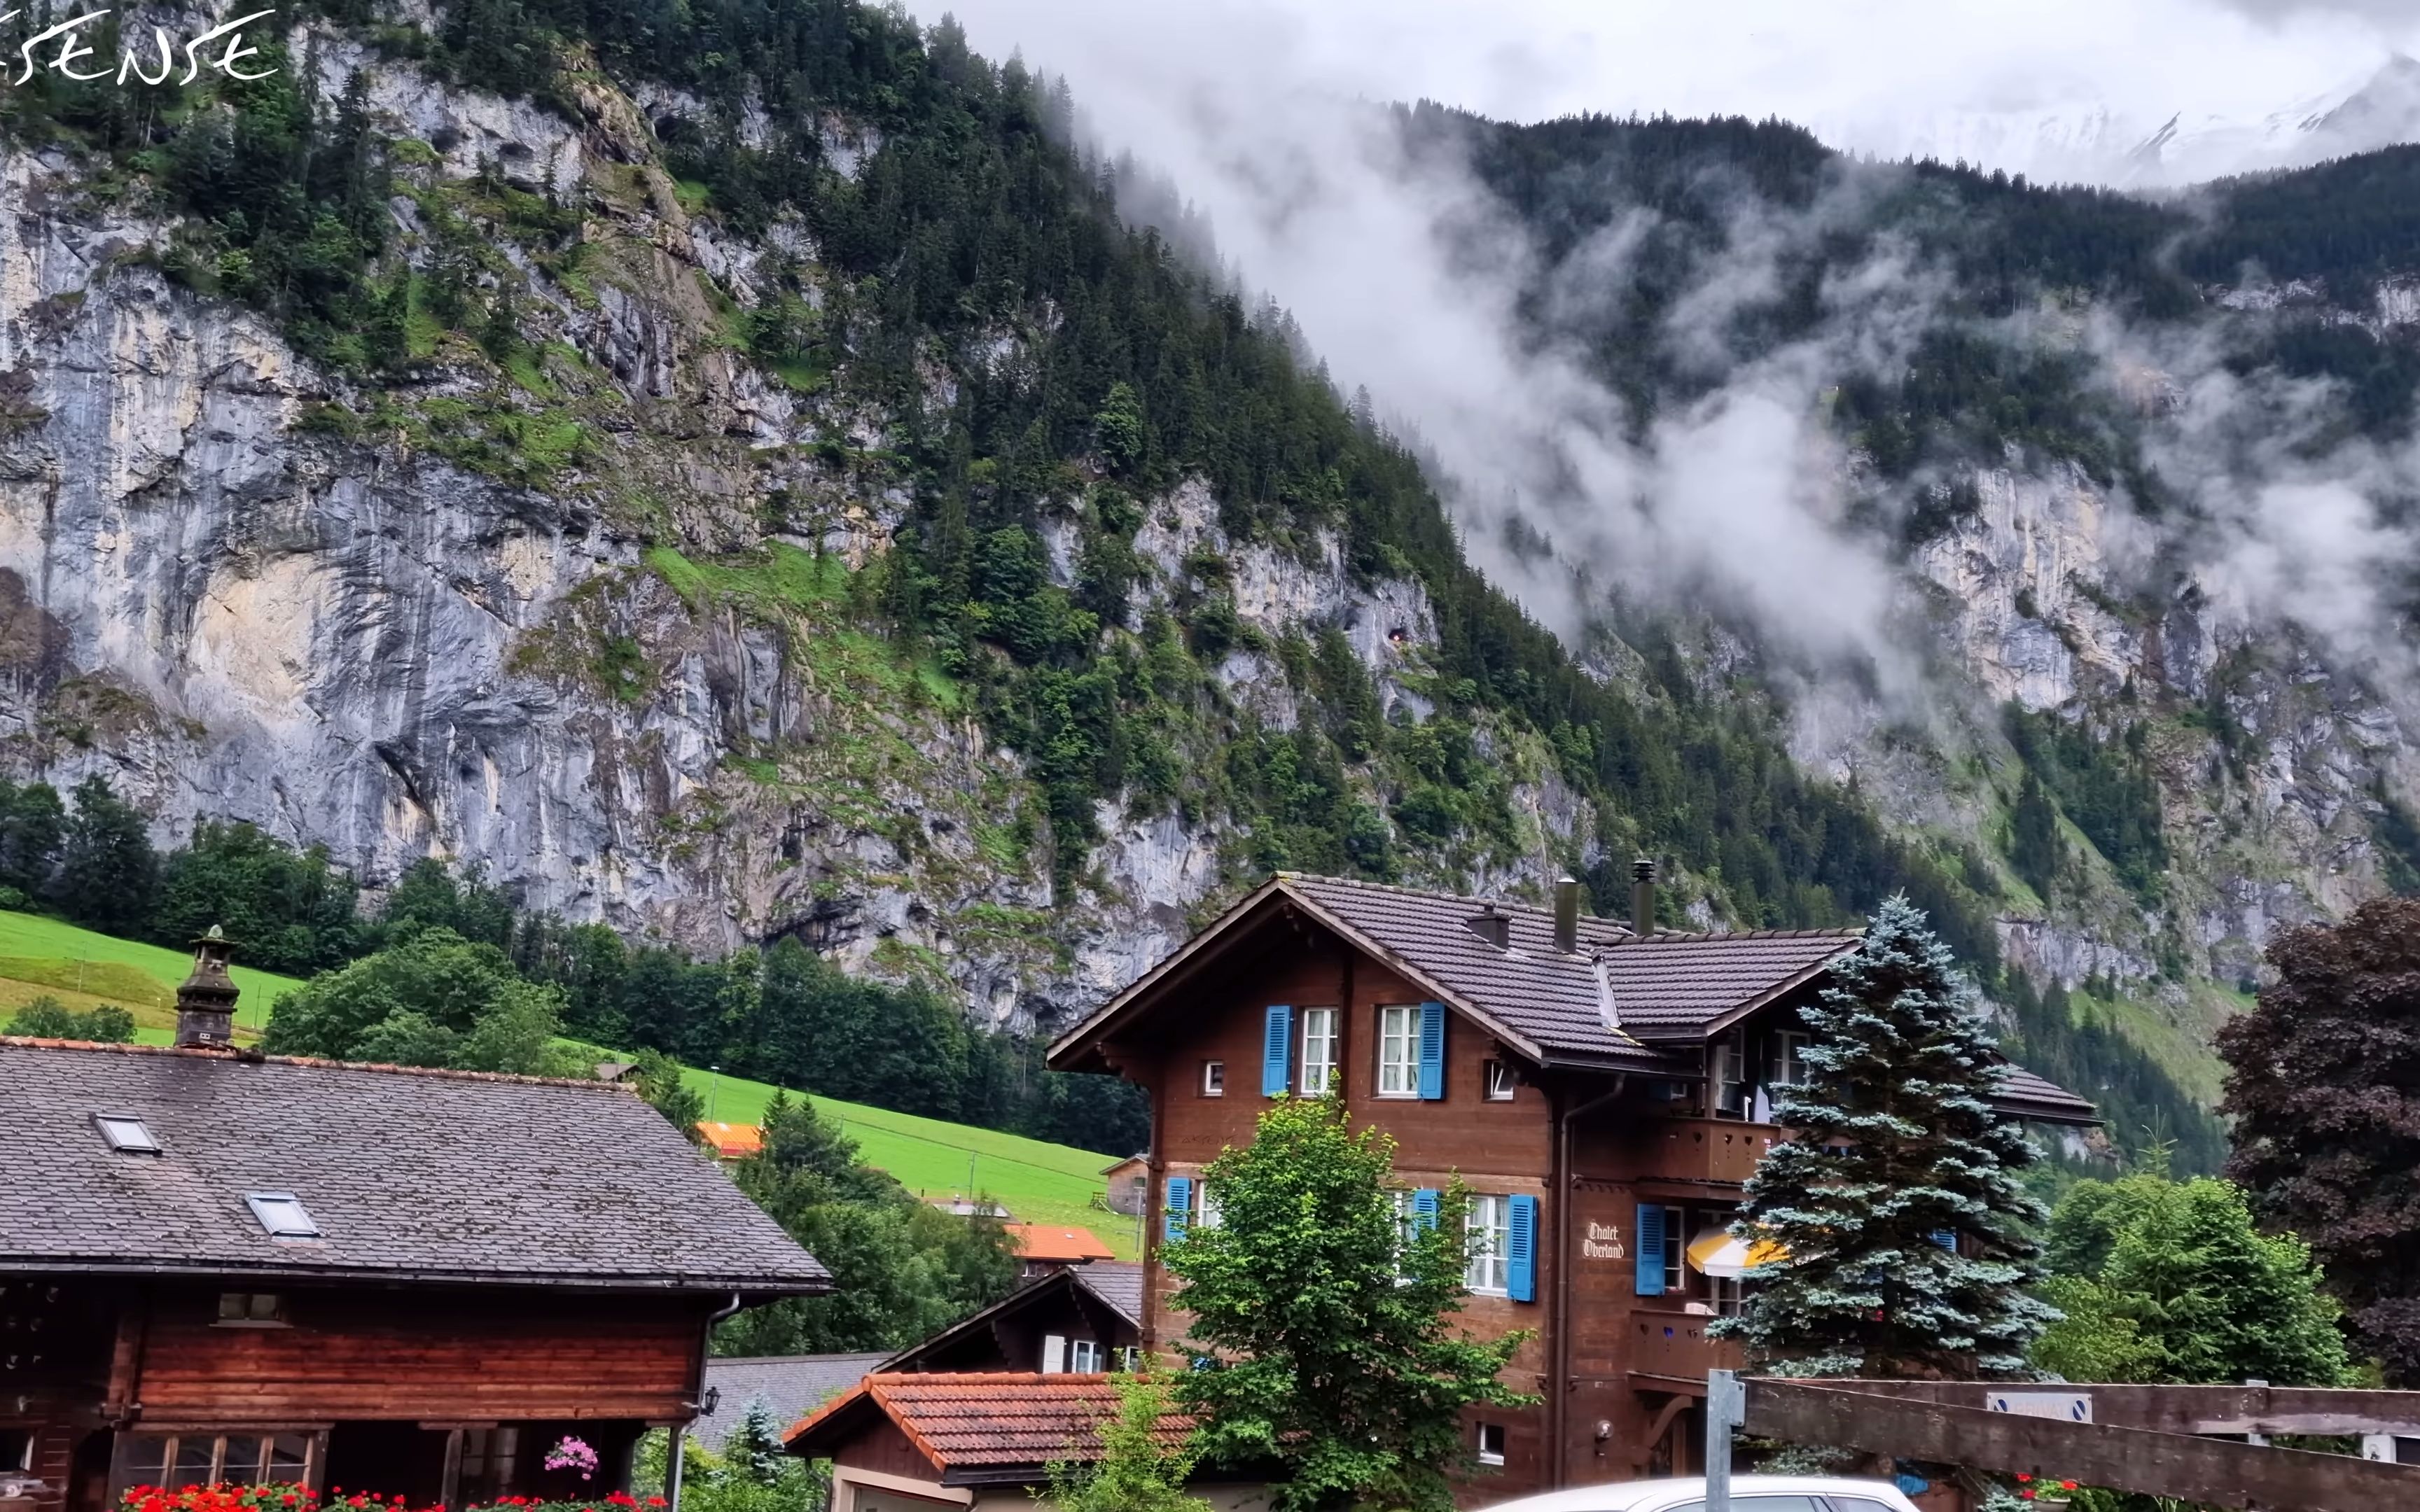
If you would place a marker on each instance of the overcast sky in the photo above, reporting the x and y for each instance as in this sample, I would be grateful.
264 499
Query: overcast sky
1887 76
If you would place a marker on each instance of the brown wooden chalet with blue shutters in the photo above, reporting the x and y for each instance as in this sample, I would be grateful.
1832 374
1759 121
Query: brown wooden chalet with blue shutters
217 1265
1604 1094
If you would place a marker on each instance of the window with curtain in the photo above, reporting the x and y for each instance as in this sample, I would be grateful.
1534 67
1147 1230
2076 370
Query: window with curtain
1399 1051
1489 1225
1318 1050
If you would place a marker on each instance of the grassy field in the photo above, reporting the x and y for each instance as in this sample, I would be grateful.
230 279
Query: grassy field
81 969
1036 1181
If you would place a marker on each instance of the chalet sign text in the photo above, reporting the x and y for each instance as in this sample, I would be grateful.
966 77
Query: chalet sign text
69 49
1600 1243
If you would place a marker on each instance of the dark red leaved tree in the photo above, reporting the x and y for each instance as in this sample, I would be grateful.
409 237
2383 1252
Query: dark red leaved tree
2323 1082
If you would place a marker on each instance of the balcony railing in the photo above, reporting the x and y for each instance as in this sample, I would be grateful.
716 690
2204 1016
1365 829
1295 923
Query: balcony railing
1669 1342
1704 1149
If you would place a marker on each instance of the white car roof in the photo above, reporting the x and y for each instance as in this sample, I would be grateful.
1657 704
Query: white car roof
1653 1495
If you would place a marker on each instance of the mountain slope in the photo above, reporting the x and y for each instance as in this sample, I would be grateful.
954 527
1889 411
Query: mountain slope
728 472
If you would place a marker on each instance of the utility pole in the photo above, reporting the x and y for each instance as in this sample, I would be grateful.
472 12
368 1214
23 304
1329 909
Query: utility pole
1725 1410
714 1090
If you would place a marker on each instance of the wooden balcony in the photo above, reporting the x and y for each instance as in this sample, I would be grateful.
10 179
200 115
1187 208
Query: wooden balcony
1723 1151
1669 1342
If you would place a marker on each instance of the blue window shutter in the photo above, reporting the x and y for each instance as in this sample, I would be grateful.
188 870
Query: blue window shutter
1432 1051
1424 1209
1650 1258
1947 1239
1521 1250
1178 1208
1277 1051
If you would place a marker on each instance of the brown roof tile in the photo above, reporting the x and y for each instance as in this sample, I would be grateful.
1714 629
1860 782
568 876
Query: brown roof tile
410 1174
981 1423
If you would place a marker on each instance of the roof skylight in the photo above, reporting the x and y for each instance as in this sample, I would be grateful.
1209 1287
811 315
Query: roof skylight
283 1215
126 1133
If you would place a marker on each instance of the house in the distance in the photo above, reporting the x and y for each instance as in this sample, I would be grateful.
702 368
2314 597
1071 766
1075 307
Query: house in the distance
731 1141
1042 1248
1603 1093
1128 1186
912 1443
787 1386
221 1266
1082 1321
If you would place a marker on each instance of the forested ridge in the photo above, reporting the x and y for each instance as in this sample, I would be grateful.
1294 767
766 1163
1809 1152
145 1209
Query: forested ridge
975 222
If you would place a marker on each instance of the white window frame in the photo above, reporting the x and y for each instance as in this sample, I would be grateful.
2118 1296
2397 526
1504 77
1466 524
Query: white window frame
1487 1432
1085 1357
1214 1078
283 1215
1319 1041
1789 1068
1487 1228
1729 1074
1206 1211
1399 1050
1501 1083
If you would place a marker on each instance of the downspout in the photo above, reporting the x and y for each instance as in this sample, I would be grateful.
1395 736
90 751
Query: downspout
1559 1413
696 1402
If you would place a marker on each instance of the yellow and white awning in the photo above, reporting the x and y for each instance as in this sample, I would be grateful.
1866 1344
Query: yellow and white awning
1716 1252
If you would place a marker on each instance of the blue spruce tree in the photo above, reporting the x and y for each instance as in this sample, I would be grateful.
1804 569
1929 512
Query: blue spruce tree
1903 1231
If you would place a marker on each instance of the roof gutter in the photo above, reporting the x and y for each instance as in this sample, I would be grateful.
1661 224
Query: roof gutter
749 1286
1560 1409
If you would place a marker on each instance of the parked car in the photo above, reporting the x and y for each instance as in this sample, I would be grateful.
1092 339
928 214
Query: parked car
1749 1493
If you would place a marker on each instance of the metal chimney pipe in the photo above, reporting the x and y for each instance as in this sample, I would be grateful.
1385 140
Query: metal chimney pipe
1567 915
1642 896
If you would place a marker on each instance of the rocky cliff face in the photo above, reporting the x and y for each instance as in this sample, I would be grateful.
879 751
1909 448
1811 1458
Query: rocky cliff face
427 620
585 619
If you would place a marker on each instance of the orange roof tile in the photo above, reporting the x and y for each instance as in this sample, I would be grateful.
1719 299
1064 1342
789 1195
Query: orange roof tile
1051 1242
975 1422
732 1141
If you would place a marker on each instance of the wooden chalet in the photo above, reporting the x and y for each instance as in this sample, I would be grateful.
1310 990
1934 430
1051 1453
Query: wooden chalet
1603 1093
1082 1321
220 1265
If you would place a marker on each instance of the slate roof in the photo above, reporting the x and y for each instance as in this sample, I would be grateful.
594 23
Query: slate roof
410 1175
1119 1283
978 1429
2032 1096
1621 1001
789 1385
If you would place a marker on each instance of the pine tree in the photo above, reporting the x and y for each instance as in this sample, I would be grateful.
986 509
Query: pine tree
1896 1149
109 876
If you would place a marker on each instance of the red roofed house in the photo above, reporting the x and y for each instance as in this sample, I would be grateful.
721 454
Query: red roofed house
731 1141
1604 1092
1047 1247
910 1443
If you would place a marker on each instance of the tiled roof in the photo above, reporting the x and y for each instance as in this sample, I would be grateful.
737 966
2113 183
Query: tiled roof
409 1174
1119 1283
1054 1242
1663 987
789 1385
731 1141
2037 1097
976 1427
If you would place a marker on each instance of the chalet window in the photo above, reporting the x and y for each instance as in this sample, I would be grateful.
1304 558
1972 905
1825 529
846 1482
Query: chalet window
283 1215
247 1308
1491 1443
126 1133
1488 1227
1730 1077
1501 1081
1084 1357
487 1455
1789 1068
1214 1078
1126 1357
16 1449
1318 1050
1399 1051
1205 1206
176 1460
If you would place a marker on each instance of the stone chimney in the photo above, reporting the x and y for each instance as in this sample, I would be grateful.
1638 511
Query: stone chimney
206 1003
1642 896
1567 915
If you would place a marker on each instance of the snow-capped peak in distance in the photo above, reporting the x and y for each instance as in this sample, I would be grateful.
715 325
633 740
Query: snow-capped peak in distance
2097 142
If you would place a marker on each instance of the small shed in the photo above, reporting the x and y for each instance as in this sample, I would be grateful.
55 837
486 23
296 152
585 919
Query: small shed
1128 1186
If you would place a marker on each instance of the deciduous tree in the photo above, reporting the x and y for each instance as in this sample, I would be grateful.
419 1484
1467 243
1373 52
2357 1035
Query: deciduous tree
2323 1082
1323 1333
